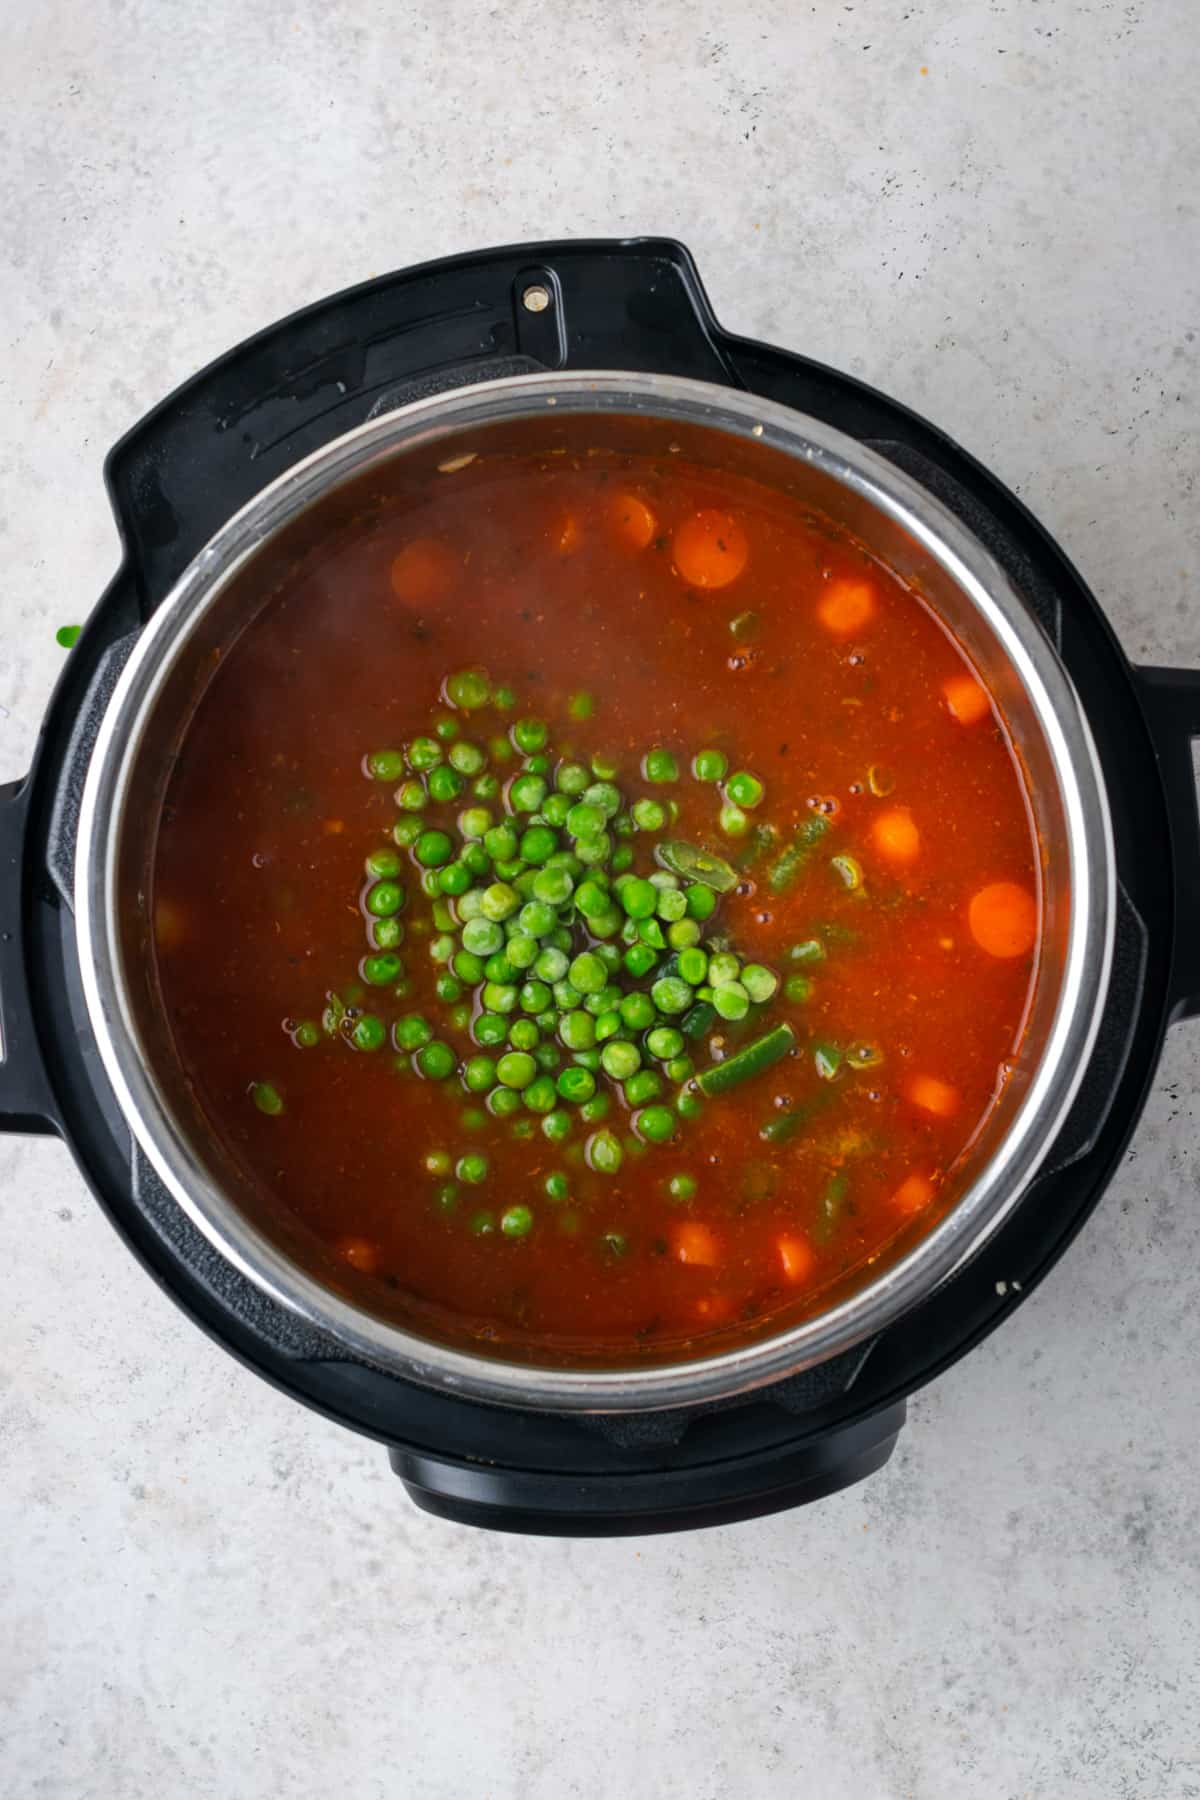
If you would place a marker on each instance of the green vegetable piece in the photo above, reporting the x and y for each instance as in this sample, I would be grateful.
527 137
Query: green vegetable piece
576 1085
696 865
386 765
620 1060
641 1086
503 1102
786 868
571 778
709 765
581 706
848 870
671 994
731 1000
432 849
516 1221
747 1062
516 1069
682 1186
577 1030
733 821
828 1060
472 1168
529 736
557 1186
744 789
664 1042
698 1019
436 1061
656 1124
499 901
639 898
648 815
588 973
660 766
468 690
267 1098
759 982
833 1206
556 1125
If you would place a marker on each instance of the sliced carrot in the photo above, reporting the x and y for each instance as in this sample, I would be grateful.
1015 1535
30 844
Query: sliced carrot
1003 919
914 1194
933 1096
846 607
359 1254
565 534
424 570
632 522
710 549
695 1243
796 1256
966 700
895 836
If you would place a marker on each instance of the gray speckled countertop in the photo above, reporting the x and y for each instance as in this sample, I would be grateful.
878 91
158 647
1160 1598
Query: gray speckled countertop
990 212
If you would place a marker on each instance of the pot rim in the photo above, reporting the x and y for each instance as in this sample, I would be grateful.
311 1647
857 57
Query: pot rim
1056 1076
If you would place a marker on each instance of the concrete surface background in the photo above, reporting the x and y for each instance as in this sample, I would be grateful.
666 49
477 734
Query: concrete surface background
988 209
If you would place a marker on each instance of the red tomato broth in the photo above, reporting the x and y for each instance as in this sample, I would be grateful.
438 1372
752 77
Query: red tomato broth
551 596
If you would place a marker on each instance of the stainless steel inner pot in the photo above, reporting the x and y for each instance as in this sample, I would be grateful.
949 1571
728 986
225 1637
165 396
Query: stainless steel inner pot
893 517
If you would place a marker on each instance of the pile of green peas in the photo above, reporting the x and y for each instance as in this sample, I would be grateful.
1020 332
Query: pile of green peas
566 977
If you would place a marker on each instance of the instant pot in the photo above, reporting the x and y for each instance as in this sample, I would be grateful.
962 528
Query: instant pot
216 487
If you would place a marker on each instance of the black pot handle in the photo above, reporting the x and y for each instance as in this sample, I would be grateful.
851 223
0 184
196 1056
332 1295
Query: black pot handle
1171 702
26 1098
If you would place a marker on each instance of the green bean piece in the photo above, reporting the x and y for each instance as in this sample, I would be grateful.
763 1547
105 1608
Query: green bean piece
698 1019
747 1062
468 690
266 1095
697 866
807 835
849 872
827 1059
833 1206
603 1152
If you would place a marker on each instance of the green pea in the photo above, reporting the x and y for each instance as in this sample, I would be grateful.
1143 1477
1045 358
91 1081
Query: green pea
648 815
501 841
637 1011
731 1000
446 1197
591 899
504 699
529 735
482 937
537 843
474 822
499 901
588 973
438 1162
620 1060
566 997
553 886
557 1186
797 989
516 1221
467 967
571 778
534 997
384 899
559 938
577 1030
541 1095
650 932
664 1042
576 1084
709 765
432 849
595 1109
486 787
622 856
656 1124
455 879
671 994
266 1095
555 808
551 964
604 766
460 1016
688 1103
383 865
537 918
499 996
476 858
385 765
405 832
734 822
639 959
381 971
503 1102
307 1034
639 898
510 870
479 1074
594 851
442 948
682 1186
499 969
490 1029
410 796
556 1126
444 784
581 706
603 1152
467 758
385 934
660 766
585 820
759 982
642 1086
526 793
472 1168
521 950
436 1061
448 989
547 1056
680 1068
468 690
516 1069
482 1224
424 753
445 727
608 1024
522 1128
671 906
523 1034
604 797
411 1032
500 750
744 789
723 966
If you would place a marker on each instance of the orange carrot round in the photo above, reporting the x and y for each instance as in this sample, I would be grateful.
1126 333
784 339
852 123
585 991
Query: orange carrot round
895 836
424 570
360 1254
933 1096
710 549
846 607
914 1194
695 1244
1003 919
633 524
796 1257
965 700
